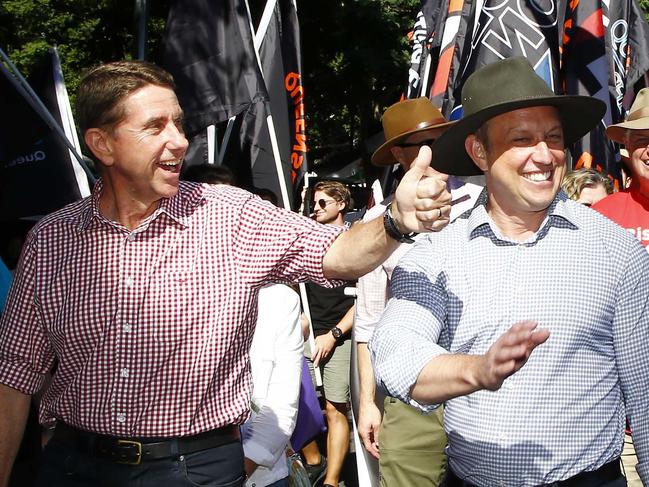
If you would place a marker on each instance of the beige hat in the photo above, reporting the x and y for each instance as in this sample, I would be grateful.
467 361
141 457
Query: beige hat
403 119
638 118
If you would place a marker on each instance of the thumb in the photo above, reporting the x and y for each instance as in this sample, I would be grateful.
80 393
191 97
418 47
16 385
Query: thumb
422 161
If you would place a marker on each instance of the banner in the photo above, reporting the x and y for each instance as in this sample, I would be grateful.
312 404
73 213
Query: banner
496 30
586 70
277 39
38 173
228 71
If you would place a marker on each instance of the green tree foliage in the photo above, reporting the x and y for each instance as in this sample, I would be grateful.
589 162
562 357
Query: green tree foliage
356 57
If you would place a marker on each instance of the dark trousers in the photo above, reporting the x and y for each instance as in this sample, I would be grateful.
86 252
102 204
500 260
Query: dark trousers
607 476
64 466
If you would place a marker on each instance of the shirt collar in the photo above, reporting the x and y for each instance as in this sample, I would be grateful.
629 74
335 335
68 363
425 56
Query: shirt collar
560 214
178 208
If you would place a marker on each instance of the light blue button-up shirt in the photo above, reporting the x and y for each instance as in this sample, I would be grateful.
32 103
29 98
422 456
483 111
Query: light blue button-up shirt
582 277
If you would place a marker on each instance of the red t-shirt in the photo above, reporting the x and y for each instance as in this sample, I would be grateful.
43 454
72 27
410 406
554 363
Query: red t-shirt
630 210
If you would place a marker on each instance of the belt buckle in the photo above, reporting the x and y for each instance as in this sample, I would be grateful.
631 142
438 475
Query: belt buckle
138 447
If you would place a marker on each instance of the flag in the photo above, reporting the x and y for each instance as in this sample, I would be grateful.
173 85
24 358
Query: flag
586 70
427 28
225 72
604 54
209 51
496 30
38 173
277 40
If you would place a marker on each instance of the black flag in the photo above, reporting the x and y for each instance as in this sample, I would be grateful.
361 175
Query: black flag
38 174
211 52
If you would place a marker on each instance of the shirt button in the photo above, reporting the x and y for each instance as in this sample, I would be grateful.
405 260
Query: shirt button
509 385
121 417
130 237
502 436
124 372
129 281
127 327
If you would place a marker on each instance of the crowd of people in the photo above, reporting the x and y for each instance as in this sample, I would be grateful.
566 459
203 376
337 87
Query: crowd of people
500 332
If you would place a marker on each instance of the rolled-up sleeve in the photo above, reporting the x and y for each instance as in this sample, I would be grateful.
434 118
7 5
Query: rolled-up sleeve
405 339
25 351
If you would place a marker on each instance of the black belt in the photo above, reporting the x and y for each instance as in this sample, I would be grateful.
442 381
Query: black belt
134 451
606 473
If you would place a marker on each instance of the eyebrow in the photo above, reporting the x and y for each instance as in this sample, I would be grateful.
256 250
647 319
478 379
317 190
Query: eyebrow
155 121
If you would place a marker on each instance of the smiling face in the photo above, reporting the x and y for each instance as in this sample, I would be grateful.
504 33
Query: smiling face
144 152
332 211
637 143
523 161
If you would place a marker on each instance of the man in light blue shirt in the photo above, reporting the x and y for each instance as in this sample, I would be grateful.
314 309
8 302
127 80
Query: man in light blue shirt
472 303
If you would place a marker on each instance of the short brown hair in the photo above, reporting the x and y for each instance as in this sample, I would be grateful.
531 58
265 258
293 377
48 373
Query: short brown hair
337 191
102 90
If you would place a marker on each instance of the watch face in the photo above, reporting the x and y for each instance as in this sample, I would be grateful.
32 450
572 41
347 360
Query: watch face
336 333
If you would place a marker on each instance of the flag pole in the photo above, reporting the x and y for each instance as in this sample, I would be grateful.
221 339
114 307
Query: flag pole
45 114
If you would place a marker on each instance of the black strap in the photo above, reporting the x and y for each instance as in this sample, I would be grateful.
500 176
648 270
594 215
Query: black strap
606 473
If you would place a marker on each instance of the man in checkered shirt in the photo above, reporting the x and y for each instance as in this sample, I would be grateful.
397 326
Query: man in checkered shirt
471 304
145 296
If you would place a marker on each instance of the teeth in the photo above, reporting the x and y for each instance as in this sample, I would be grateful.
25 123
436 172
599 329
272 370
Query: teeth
168 163
538 176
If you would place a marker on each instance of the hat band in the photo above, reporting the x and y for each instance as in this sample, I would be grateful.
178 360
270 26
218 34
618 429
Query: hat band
421 125
640 113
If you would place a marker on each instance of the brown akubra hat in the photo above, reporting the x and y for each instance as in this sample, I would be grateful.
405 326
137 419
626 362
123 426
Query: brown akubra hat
403 119
638 118
502 87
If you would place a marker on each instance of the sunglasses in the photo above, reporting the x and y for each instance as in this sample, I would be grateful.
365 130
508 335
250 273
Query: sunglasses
322 203
428 142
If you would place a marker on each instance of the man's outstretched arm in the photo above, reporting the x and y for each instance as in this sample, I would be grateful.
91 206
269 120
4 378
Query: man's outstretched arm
448 376
421 204
14 407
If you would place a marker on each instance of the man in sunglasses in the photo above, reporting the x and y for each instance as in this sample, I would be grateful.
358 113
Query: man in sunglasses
411 443
332 314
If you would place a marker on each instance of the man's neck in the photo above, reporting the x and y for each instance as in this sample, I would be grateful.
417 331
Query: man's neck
124 208
518 226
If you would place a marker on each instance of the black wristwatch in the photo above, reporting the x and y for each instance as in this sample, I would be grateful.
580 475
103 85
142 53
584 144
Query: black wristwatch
392 230
337 333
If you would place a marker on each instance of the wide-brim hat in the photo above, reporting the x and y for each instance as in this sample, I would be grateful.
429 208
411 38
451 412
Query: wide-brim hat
403 119
638 118
502 87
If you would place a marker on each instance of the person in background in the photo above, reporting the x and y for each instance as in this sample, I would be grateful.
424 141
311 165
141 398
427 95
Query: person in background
209 173
411 443
332 315
630 209
587 186
276 365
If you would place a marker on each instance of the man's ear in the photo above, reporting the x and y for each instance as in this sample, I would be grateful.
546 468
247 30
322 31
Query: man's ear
476 151
97 141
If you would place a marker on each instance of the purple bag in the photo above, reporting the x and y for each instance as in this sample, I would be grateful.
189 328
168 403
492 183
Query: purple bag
310 420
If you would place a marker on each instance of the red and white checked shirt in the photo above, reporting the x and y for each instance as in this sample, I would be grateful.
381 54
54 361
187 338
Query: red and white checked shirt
151 328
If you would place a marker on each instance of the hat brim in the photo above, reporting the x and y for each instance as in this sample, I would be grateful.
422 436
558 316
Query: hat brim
616 132
579 115
383 156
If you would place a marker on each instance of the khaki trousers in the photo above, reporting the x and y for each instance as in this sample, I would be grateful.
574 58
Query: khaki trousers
412 445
